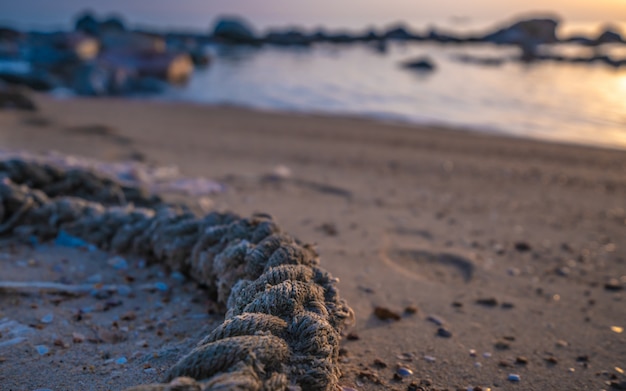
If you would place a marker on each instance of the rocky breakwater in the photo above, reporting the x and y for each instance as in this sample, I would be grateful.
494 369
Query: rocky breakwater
100 57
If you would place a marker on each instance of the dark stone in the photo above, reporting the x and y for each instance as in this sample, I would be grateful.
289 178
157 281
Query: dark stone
536 31
399 33
383 313
420 64
609 36
488 302
522 247
234 30
12 97
87 23
444 333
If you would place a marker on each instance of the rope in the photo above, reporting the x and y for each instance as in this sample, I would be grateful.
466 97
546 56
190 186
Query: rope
283 313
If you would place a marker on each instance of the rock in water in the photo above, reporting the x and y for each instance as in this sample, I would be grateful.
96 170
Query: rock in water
234 30
420 64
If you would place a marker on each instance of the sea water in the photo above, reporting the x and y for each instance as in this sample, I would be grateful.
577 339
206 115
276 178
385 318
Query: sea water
576 103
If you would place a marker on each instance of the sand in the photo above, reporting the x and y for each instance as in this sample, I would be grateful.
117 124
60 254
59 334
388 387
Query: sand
406 216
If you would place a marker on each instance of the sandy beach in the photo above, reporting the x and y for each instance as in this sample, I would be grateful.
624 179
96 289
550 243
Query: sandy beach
500 256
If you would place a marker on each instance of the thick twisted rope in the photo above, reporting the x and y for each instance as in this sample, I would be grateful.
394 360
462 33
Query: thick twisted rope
283 314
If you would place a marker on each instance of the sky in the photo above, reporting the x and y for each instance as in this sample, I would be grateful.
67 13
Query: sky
200 14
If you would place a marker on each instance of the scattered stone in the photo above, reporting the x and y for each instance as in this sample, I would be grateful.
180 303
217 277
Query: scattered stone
129 315
583 358
411 310
617 329
435 319
383 313
42 350
487 355
352 336
507 305
521 360
378 363
424 64
430 358
504 364
514 377
472 353
404 372
562 344
522 247
614 285
371 376
502 345
47 319
457 304
78 338
329 229
487 302
121 361
551 360
150 371
161 286
444 333
412 387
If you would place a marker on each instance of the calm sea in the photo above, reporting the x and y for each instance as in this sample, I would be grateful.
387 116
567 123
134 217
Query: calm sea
561 102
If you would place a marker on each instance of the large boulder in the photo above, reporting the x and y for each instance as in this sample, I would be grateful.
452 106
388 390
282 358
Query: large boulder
234 30
609 35
400 33
87 23
525 32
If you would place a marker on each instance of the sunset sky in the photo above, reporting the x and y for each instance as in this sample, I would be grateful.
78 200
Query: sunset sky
200 13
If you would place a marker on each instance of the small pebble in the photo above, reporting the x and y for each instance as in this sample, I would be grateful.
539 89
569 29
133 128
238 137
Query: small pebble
150 371
613 285
430 359
410 310
118 263
514 377
383 313
48 318
521 360
435 319
522 247
161 286
121 361
404 372
78 337
444 333
486 355
472 353
488 302
42 349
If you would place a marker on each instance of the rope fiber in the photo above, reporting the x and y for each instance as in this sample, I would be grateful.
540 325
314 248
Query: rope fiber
283 314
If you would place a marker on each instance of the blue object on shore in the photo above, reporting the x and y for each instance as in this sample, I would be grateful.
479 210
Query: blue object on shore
66 240
161 286
514 377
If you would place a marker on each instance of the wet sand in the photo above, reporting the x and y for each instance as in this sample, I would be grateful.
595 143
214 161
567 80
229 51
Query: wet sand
505 248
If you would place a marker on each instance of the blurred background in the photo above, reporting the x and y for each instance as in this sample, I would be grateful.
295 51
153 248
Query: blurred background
549 70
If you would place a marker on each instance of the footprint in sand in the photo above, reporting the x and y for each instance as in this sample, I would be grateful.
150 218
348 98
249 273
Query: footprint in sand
424 262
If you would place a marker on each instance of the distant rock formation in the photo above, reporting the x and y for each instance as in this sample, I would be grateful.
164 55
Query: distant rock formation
234 30
423 64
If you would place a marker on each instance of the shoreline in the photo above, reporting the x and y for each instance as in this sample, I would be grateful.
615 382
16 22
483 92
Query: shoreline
400 121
